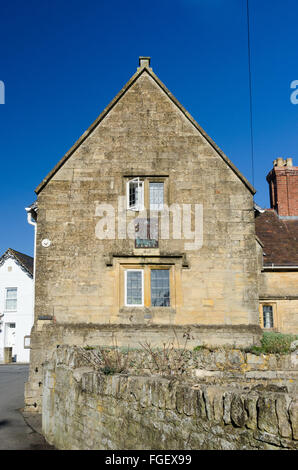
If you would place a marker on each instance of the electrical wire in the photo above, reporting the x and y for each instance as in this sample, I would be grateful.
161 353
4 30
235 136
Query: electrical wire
250 93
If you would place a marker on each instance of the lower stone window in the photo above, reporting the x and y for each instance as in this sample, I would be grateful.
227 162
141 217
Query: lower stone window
134 287
268 316
160 288
148 287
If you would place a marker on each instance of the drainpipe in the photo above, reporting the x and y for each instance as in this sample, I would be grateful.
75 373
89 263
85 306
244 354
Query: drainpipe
33 222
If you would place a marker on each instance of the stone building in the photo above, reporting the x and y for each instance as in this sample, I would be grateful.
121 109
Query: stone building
143 227
277 228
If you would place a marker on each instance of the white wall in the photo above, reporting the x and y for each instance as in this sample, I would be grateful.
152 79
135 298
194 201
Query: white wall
23 317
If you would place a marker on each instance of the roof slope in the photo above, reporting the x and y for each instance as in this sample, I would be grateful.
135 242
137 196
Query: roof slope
279 237
25 261
87 133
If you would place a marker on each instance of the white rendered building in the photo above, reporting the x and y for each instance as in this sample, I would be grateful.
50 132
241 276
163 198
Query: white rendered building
16 304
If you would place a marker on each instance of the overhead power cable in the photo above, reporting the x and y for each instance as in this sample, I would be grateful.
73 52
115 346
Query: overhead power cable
250 93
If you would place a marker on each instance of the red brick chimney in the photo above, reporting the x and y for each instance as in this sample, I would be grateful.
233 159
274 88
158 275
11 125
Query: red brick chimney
283 187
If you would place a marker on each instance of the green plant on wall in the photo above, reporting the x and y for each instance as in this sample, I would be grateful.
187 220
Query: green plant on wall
274 343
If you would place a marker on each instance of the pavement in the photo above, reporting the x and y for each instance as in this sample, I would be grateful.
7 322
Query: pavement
18 430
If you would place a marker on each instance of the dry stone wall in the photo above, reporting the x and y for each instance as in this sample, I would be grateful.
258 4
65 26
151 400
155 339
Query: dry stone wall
46 336
152 412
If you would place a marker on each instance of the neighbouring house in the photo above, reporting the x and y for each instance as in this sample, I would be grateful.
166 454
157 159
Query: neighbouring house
143 227
16 304
277 229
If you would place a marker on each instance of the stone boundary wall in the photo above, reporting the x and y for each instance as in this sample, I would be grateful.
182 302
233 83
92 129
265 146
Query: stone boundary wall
84 409
217 366
46 336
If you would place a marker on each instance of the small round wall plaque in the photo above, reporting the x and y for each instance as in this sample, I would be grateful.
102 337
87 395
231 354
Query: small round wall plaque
46 242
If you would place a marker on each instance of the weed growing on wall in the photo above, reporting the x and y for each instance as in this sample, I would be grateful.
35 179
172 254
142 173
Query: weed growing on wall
108 361
274 343
170 360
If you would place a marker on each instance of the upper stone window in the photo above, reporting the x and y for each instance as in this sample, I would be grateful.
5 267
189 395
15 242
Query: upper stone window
145 193
135 194
156 194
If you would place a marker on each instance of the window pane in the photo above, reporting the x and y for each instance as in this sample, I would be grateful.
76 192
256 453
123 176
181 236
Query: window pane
268 316
11 293
11 299
156 196
134 287
160 288
135 194
11 304
132 194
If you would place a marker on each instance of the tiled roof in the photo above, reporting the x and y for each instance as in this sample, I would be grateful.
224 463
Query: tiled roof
279 237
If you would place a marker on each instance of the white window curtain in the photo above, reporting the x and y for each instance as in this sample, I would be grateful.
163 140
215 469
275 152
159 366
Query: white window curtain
156 196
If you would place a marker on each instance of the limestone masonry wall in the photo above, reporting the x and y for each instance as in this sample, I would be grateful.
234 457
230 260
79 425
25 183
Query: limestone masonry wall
279 289
79 277
46 336
128 411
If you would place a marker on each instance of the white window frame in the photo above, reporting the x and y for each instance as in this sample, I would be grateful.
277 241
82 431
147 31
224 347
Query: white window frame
125 287
140 186
27 340
5 300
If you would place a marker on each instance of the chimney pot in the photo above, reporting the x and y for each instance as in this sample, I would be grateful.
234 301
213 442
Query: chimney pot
144 61
283 183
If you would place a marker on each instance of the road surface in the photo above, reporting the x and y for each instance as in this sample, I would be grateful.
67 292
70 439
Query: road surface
15 433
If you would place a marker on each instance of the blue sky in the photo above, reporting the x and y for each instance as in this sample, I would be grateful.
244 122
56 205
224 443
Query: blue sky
62 62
